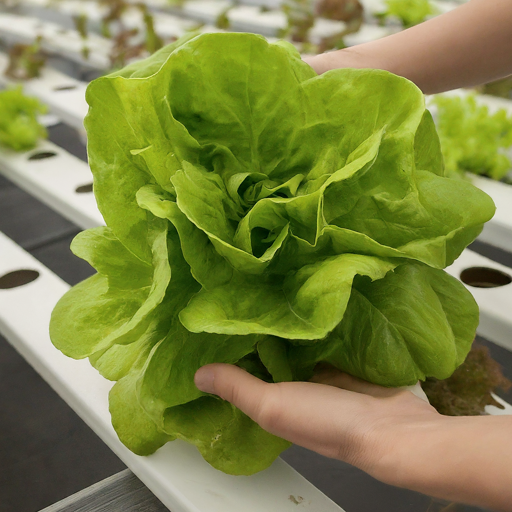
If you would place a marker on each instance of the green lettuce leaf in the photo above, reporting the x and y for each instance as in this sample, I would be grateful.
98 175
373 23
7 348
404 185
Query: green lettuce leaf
264 216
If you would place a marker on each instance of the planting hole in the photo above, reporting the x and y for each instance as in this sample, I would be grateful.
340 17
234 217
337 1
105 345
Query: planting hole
484 277
84 189
64 88
17 278
41 155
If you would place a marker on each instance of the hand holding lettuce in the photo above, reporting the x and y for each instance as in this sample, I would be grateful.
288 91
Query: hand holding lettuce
261 215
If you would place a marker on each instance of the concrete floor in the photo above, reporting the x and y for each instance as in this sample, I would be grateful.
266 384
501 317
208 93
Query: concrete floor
48 453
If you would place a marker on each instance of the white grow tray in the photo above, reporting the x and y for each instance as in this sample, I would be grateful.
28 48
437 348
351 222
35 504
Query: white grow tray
498 231
54 181
495 303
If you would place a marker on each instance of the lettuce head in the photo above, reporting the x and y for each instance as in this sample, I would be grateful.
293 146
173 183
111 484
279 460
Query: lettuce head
261 215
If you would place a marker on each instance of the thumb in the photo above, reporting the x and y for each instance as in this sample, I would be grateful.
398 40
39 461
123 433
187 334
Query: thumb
232 384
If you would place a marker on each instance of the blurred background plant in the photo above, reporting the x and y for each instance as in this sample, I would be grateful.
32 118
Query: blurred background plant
472 139
19 127
408 12
80 22
25 60
469 390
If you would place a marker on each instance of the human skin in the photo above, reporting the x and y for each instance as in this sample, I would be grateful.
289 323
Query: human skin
391 434
468 46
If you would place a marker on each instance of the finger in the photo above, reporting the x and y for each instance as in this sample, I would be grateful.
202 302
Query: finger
333 377
227 381
312 415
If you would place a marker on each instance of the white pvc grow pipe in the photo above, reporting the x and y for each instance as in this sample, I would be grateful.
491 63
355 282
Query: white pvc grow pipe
495 303
59 179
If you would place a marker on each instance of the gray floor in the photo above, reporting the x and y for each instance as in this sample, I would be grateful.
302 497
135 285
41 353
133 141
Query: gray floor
48 453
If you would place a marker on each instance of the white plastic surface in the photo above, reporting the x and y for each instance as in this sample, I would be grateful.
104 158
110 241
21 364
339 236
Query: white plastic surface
54 181
495 303
205 11
368 33
176 474
496 411
498 231
247 18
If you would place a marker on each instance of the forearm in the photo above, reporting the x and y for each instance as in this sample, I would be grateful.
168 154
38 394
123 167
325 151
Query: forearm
464 459
468 46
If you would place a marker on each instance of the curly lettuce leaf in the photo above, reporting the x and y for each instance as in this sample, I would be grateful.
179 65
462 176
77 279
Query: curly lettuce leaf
399 329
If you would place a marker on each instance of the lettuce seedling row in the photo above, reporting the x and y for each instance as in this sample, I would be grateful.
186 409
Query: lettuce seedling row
63 12
250 18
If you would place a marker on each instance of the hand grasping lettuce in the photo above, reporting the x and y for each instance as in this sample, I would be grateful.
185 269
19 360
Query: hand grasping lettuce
261 215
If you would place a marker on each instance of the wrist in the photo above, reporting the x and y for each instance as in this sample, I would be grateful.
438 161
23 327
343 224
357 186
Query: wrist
461 459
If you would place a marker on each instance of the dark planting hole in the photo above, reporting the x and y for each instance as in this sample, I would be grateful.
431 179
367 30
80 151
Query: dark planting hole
484 277
41 155
65 88
84 189
17 278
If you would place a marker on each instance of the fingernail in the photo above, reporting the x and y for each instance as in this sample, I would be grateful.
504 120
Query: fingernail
204 380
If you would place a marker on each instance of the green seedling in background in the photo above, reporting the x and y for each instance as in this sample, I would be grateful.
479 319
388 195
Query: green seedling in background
301 18
19 127
409 12
153 41
80 22
472 139
26 60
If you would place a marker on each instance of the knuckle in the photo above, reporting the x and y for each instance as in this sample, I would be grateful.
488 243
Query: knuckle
233 394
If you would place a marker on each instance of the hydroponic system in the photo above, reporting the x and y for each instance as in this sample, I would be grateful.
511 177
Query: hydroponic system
239 208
